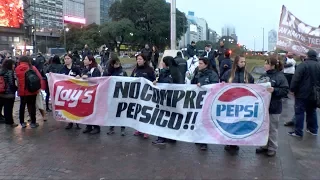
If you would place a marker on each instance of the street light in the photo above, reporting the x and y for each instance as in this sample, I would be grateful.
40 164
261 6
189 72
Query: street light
65 37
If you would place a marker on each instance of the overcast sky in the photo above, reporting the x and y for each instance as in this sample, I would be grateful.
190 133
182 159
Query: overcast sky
250 16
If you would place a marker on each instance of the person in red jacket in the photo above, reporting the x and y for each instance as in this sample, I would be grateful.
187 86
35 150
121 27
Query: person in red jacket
26 97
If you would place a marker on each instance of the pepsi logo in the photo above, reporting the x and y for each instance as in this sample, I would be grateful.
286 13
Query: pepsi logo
237 111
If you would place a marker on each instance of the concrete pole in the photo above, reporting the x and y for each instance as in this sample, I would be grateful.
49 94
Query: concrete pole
262 39
173 25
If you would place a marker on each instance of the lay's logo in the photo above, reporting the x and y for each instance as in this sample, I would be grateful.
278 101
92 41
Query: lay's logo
74 98
238 112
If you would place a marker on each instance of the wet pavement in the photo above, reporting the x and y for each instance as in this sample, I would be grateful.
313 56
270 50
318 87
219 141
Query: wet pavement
51 152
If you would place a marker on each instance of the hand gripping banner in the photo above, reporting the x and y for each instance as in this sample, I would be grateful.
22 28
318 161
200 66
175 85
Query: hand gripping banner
234 114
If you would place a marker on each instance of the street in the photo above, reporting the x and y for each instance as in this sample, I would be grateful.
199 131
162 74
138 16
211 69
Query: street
51 152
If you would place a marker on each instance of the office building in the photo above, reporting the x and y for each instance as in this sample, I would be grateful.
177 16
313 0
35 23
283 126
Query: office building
74 8
197 30
212 36
97 11
272 40
228 30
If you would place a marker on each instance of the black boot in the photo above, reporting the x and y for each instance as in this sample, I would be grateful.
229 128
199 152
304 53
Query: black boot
70 125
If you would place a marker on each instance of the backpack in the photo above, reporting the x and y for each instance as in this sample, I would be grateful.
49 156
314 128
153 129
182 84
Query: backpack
32 81
3 85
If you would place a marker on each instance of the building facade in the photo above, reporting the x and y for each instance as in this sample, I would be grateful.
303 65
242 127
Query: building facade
272 40
212 36
97 11
197 30
74 8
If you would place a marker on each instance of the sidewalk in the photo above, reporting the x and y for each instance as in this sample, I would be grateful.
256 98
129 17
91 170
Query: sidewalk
51 152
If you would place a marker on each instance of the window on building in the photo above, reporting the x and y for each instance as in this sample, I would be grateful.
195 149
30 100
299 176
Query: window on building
16 39
10 39
4 38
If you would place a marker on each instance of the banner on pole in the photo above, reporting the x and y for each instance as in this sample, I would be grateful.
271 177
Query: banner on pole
296 36
234 114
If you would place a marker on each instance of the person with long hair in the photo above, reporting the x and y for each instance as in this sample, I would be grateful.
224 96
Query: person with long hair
204 76
237 74
115 69
70 69
155 57
226 63
7 98
143 69
90 70
26 97
169 74
279 89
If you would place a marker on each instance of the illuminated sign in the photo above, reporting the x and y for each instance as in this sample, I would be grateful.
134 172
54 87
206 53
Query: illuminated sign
74 20
11 13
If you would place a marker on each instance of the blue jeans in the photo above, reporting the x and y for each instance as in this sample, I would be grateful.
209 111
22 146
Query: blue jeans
305 106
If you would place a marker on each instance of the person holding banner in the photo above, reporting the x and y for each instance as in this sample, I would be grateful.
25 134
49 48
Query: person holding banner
90 70
143 69
115 69
71 70
204 76
169 74
238 74
279 89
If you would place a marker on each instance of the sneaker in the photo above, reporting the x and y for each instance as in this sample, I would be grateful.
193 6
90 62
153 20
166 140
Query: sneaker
294 134
123 133
289 123
23 125
145 136
87 130
313 134
48 110
159 142
271 153
261 150
34 125
70 125
78 126
231 147
137 133
95 131
110 132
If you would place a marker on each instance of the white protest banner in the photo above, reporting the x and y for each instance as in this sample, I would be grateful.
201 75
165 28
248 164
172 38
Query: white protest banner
235 114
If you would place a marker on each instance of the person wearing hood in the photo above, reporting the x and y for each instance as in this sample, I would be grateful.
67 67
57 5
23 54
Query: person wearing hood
279 89
169 74
204 76
115 69
305 79
26 97
182 64
86 51
225 64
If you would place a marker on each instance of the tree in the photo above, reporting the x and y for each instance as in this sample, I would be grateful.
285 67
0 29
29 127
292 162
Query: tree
202 44
118 32
150 18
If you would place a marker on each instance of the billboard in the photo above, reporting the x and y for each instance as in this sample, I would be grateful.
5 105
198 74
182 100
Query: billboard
11 13
69 19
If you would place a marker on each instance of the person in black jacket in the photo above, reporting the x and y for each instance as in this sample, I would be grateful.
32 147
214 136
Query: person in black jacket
225 64
182 64
169 74
279 89
8 97
91 70
210 55
147 52
115 69
220 53
155 57
71 70
238 74
192 50
204 76
143 69
306 76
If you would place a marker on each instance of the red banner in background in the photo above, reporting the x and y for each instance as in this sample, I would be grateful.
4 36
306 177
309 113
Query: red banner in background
296 36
